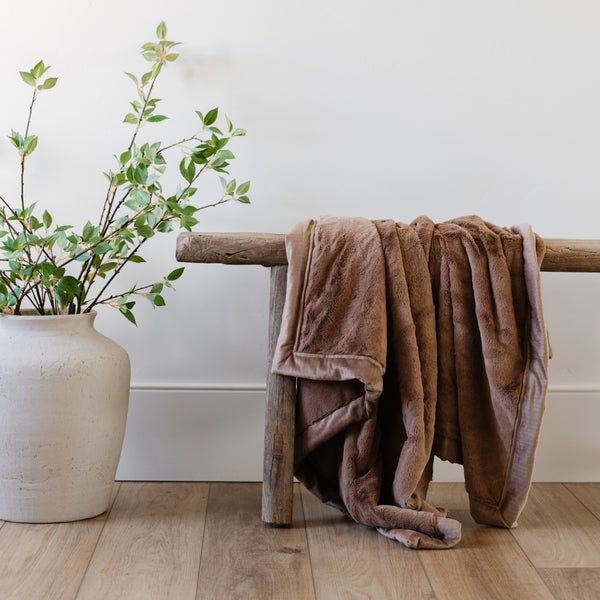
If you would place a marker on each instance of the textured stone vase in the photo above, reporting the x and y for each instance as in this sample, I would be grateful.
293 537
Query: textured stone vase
64 393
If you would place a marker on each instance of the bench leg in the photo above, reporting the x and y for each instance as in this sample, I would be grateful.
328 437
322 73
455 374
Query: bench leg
278 466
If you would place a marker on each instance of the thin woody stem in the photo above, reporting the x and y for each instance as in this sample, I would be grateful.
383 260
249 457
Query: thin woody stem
117 270
88 265
112 190
194 137
33 99
134 291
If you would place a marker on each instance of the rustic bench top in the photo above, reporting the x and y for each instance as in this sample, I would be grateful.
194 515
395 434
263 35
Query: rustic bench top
268 249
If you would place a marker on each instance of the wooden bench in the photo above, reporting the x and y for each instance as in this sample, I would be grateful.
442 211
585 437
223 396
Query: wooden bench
268 249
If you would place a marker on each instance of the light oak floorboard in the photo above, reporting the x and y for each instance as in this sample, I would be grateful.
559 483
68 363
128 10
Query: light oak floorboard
451 496
244 559
487 565
46 561
588 493
557 531
150 546
354 561
573 584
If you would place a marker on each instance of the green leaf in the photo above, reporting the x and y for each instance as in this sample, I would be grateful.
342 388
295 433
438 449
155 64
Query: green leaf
125 158
176 274
199 158
188 169
49 83
88 230
140 174
141 197
132 77
238 131
152 179
109 266
151 219
230 187
171 57
28 78
130 118
161 31
47 218
156 69
136 258
150 297
39 69
243 188
16 138
159 300
127 314
130 173
225 154
243 199
102 248
229 124
211 116
164 227
70 284
29 144
156 118
145 231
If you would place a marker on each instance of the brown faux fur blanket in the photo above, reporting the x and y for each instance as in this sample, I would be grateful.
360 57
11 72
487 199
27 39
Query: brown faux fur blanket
411 341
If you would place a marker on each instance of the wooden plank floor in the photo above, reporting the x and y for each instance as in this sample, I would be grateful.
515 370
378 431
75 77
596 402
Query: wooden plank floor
201 541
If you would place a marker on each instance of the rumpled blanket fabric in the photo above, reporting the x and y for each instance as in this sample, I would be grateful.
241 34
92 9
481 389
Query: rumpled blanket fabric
411 341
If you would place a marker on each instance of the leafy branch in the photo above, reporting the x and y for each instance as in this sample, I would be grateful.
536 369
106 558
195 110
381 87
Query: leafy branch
59 269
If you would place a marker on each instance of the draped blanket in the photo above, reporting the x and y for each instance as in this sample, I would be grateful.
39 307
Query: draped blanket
409 342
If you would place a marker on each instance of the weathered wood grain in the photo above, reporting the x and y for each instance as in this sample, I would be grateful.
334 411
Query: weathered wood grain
244 560
46 561
153 539
589 494
487 565
151 543
572 255
573 584
451 496
268 249
354 561
278 464
557 531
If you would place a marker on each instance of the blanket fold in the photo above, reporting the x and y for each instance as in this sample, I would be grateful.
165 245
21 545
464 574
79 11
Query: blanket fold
410 341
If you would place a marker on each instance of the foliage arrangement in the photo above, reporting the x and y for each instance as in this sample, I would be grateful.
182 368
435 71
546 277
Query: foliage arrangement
56 269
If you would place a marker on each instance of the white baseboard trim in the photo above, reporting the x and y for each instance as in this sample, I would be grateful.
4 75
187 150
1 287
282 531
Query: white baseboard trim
214 432
169 386
173 386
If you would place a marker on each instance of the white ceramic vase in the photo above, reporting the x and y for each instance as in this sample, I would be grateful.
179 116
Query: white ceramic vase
64 393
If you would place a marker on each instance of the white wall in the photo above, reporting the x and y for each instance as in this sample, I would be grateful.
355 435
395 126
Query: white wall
381 109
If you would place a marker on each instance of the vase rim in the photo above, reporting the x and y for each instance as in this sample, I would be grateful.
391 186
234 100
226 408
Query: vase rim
33 314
